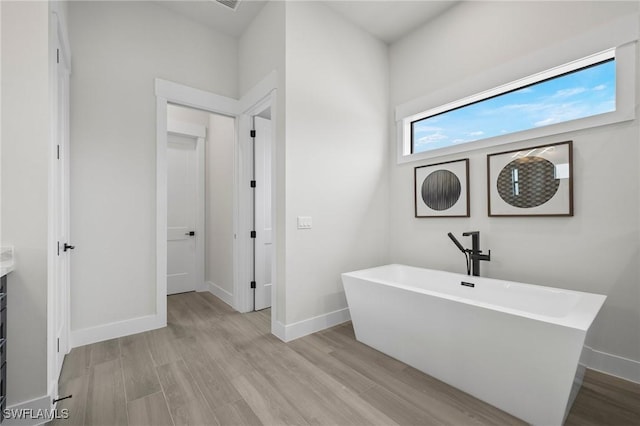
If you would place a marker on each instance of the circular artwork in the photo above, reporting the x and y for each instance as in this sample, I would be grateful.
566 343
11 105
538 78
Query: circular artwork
441 190
528 182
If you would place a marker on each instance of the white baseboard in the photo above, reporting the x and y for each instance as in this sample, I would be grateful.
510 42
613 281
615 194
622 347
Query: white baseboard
613 365
219 292
113 330
279 330
303 328
38 408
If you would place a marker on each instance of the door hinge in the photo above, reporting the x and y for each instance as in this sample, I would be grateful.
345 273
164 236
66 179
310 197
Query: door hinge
253 234
253 183
57 56
253 133
58 248
58 151
58 344
253 284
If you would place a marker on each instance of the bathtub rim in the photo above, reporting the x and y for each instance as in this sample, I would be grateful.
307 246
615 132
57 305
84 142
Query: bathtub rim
579 317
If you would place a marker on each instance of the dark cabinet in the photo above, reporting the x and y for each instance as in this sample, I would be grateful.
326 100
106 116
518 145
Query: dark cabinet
3 346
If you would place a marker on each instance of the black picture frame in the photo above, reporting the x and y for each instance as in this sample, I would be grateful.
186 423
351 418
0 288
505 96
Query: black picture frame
442 189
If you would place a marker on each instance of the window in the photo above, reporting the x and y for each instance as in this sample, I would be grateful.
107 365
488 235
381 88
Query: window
592 91
580 93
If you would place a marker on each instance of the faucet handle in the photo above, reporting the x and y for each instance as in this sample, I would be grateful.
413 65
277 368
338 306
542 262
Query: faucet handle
486 257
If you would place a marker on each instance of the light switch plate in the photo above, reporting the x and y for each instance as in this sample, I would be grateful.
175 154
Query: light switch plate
304 222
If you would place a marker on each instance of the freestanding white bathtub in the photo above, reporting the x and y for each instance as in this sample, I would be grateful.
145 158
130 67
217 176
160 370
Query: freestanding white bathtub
515 346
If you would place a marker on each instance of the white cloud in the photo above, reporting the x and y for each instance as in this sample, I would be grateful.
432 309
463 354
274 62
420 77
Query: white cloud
545 122
600 87
478 133
560 112
434 137
565 93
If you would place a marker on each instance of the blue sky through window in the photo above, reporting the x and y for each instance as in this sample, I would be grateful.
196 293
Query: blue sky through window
582 93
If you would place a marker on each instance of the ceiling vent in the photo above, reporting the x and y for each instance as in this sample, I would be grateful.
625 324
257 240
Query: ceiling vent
231 4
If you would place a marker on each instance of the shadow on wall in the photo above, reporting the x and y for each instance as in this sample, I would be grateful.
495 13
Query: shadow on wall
615 314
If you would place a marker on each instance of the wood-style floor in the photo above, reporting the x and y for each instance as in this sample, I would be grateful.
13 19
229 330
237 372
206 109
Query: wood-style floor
212 366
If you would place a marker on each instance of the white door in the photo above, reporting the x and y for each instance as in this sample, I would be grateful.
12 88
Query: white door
263 213
182 193
61 213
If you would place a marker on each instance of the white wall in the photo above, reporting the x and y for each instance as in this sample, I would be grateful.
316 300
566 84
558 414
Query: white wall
187 115
119 48
330 149
336 156
597 249
261 51
219 171
25 168
219 203
261 47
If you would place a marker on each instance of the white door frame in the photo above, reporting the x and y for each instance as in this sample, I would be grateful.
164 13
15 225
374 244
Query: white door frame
175 93
254 111
59 56
199 133
258 99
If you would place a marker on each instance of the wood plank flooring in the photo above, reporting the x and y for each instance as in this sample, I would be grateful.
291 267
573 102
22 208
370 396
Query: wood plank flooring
214 366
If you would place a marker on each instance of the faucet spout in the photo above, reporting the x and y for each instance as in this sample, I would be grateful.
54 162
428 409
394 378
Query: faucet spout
474 255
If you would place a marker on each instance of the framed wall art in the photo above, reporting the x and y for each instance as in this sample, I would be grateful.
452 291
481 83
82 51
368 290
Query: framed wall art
536 181
442 190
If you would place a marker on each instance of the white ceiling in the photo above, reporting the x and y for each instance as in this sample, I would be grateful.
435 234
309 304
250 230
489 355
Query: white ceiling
388 20
217 16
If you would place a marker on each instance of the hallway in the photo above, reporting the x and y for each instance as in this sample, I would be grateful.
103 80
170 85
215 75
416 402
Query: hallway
212 365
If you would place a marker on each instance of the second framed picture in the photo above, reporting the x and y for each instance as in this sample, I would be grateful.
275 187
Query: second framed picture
442 189
536 181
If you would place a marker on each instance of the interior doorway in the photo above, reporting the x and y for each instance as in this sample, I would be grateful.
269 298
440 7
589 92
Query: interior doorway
263 209
239 115
200 198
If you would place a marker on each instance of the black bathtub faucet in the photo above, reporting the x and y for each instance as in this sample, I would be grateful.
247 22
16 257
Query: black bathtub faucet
473 256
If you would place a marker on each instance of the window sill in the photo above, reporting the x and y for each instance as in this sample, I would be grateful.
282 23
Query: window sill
547 131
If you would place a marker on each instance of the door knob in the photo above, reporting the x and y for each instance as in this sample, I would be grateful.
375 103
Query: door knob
68 247
191 233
